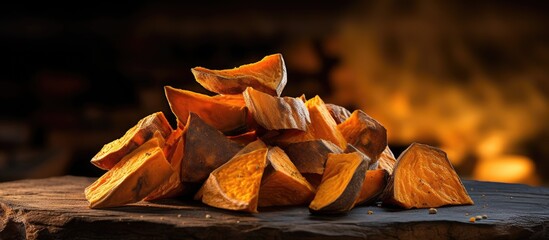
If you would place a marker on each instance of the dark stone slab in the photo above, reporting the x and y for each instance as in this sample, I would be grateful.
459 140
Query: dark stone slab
55 208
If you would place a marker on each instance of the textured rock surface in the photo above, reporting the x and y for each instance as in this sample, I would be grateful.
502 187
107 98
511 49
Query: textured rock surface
55 208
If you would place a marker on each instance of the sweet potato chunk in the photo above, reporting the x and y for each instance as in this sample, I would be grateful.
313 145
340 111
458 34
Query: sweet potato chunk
112 152
322 126
282 184
267 75
386 161
341 184
235 185
176 155
209 109
253 146
133 178
173 150
424 177
365 133
309 157
373 186
274 113
339 113
205 150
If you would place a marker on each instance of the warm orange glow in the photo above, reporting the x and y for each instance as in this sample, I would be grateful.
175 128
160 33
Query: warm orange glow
507 168
401 70
492 145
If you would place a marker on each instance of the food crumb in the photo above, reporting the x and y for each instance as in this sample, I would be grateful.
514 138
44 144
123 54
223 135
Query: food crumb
467 214
370 212
432 211
208 216
178 215
478 217
237 221
472 219
141 216
484 216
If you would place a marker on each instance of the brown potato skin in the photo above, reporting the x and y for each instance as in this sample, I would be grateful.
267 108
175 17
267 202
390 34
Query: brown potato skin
339 113
346 201
183 102
276 113
365 133
309 157
282 184
205 150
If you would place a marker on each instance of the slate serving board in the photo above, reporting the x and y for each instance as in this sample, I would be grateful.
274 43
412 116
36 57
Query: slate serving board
55 208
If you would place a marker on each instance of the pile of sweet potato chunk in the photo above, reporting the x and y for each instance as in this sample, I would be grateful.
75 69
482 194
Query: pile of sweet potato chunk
247 147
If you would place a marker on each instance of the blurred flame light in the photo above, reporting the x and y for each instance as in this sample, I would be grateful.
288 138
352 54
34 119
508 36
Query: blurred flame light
420 75
507 168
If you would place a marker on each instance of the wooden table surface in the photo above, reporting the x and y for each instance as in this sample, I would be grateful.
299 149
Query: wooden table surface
55 208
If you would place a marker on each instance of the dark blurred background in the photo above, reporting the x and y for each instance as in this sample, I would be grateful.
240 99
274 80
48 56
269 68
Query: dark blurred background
470 77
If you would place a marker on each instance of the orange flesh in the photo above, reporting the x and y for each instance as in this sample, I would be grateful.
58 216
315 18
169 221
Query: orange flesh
274 113
206 149
311 156
387 160
268 75
283 190
242 184
425 178
284 186
161 140
235 185
322 126
177 155
173 186
171 142
112 152
111 176
374 183
250 147
365 133
132 178
337 175
231 99
282 163
207 108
